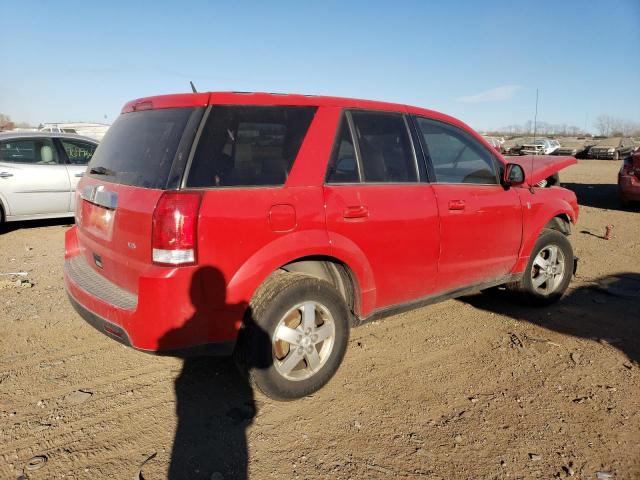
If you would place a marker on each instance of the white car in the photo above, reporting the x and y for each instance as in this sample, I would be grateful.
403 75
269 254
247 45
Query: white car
540 146
39 173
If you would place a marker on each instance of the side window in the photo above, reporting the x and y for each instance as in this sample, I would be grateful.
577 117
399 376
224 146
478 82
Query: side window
37 151
249 145
343 167
385 147
78 153
455 155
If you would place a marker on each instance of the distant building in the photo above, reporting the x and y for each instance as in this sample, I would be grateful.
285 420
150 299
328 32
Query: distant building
92 130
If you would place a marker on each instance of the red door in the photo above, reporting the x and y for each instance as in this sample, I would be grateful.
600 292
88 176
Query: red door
377 210
480 230
395 227
481 221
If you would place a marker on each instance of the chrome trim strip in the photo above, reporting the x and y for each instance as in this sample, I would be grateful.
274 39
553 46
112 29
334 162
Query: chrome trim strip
97 195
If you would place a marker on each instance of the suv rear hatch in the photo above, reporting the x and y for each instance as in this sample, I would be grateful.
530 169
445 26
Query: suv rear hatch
143 154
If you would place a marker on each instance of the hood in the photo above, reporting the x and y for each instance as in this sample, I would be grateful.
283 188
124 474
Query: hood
543 167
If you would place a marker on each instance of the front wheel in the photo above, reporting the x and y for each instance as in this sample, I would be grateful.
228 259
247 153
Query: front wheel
295 336
549 270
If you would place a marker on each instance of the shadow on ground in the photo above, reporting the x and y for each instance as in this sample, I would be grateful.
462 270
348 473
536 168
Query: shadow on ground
27 224
604 310
598 195
214 401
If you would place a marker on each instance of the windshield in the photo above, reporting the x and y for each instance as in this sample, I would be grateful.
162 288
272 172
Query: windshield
140 147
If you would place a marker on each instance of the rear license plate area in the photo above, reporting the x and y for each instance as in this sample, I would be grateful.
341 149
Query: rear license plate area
98 220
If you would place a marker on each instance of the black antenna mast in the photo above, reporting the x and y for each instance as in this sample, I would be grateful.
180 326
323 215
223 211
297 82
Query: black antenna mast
193 87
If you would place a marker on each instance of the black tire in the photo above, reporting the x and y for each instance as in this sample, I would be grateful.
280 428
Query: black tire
525 287
256 353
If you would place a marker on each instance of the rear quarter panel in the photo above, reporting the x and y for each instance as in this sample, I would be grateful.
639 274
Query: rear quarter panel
236 235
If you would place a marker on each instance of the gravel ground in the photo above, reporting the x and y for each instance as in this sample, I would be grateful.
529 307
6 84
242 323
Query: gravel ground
478 387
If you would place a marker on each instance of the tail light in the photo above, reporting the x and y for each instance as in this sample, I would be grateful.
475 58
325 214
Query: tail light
175 224
79 202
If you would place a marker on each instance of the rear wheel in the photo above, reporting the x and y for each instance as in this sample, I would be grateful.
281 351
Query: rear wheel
549 270
295 336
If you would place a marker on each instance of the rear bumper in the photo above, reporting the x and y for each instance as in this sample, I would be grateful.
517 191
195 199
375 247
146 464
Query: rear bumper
179 312
119 334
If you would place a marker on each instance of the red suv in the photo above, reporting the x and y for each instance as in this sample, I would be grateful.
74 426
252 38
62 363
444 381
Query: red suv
269 225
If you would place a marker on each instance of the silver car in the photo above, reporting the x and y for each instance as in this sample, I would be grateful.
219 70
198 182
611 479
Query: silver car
39 173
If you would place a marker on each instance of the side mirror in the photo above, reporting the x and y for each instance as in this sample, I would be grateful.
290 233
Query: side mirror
513 175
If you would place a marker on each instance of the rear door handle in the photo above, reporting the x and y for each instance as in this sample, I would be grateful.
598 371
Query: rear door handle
5 174
359 211
456 204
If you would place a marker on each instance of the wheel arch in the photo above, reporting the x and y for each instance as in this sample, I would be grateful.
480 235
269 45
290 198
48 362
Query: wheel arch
332 270
3 209
561 223
559 219
350 273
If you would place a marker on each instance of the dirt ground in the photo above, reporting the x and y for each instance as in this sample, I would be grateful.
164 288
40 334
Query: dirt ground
478 387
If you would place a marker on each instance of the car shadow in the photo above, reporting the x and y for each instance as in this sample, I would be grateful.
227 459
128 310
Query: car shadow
7 227
603 310
598 195
214 402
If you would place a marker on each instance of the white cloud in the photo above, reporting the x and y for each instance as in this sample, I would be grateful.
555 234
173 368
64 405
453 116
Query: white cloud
497 94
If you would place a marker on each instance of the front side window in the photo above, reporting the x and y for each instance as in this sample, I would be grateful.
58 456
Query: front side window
249 145
36 151
78 153
455 155
385 147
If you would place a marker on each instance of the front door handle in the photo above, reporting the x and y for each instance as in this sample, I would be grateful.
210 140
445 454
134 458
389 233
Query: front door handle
456 204
5 174
359 211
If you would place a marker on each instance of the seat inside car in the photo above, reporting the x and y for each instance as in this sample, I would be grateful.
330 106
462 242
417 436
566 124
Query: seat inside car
46 155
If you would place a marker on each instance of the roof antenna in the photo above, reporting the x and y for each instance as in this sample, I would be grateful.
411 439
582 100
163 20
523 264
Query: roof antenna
193 87
535 125
535 117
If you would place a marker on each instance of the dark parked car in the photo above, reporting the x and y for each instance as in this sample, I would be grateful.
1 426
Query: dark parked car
612 148
575 147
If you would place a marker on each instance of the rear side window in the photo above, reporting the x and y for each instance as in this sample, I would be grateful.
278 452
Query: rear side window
344 166
249 145
385 147
139 148
78 153
456 157
36 151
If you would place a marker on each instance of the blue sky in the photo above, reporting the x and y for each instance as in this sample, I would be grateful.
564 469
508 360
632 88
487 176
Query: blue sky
478 61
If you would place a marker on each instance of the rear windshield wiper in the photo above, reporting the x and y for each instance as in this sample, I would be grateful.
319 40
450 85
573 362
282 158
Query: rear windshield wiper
102 171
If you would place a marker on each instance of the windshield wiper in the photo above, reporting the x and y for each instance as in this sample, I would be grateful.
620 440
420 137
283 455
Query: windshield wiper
102 171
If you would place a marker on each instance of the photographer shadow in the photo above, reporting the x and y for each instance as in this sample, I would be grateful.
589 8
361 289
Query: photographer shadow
214 402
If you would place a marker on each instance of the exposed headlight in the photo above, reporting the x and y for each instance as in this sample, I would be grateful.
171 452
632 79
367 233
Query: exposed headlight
611 150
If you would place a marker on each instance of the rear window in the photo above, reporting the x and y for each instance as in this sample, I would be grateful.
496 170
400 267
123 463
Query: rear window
249 145
140 147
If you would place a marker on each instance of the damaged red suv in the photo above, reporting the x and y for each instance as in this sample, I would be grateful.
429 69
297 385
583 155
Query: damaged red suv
268 225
